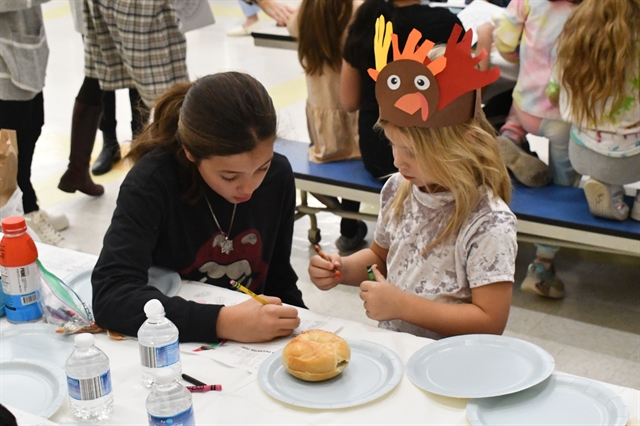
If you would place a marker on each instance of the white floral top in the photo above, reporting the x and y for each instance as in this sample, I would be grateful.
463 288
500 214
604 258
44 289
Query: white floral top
483 252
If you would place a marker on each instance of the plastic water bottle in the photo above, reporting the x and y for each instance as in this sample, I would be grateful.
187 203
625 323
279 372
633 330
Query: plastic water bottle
169 403
19 272
89 380
1 298
158 343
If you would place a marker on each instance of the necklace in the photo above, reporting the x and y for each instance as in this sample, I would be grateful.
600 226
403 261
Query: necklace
226 246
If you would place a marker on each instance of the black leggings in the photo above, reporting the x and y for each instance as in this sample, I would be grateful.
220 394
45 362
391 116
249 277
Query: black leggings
27 119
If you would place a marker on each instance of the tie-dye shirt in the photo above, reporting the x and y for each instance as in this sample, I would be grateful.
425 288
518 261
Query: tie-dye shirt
531 27
482 252
617 132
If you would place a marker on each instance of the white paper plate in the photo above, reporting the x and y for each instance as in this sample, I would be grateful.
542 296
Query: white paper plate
559 400
37 342
36 387
479 366
165 280
372 372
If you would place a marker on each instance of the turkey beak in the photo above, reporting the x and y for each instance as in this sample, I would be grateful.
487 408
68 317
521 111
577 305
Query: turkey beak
412 102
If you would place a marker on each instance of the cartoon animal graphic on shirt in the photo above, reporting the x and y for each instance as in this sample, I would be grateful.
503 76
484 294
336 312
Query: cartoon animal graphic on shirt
414 91
243 264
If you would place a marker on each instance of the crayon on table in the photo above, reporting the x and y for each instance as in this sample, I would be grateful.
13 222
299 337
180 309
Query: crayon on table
193 381
205 388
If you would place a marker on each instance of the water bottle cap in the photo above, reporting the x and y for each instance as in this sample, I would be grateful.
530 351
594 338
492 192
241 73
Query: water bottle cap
84 340
164 376
153 308
13 224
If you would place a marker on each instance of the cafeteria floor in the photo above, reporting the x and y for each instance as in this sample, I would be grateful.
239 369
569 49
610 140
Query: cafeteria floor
594 331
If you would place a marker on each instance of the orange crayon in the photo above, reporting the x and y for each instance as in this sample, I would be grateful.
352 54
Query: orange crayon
325 257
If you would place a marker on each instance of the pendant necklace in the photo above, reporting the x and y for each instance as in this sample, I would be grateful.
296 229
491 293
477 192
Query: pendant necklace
226 246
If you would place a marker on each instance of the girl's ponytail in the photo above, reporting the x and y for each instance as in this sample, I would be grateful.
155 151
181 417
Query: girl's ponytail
161 132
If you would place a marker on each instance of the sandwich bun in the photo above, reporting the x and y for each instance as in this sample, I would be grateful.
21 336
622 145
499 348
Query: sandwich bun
316 355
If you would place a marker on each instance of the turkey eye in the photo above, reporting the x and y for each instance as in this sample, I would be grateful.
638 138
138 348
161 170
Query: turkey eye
393 82
422 82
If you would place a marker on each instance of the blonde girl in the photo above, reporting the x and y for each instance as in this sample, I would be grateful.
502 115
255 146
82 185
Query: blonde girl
598 71
445 242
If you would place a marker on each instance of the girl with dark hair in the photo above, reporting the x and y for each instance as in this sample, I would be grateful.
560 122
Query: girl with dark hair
208 198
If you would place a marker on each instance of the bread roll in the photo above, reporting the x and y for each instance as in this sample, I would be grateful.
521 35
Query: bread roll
316 355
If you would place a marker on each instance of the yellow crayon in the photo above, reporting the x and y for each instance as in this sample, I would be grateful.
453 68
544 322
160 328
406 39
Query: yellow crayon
249 292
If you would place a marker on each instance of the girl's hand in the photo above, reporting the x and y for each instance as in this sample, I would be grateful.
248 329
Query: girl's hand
321 271
382 300
251 321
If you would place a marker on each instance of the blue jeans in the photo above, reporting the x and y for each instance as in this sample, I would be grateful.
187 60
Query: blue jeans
249 9
558 134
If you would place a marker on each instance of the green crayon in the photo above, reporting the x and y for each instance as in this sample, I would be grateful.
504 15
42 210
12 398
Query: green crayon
370 272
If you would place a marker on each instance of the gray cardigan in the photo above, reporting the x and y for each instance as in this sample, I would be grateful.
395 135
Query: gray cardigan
23 49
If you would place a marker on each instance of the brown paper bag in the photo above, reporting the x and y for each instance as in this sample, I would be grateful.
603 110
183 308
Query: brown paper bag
8 165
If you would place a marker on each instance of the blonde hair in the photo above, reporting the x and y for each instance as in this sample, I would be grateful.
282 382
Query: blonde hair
321 25
459 158
598 47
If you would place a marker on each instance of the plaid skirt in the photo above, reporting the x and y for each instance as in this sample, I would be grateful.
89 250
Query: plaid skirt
134 43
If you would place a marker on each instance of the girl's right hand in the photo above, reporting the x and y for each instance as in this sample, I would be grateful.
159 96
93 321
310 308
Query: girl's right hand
321 271
251 321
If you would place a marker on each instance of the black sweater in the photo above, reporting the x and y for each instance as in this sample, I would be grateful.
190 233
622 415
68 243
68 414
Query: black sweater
152 226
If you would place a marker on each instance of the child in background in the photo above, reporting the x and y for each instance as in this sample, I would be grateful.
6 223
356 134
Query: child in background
357 89
208 198
599 76
527 32
445 241
321 28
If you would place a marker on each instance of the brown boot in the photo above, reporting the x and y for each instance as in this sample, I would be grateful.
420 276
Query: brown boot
84 127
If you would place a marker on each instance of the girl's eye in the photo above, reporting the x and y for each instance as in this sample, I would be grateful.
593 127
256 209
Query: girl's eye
226 179
421 82
393 82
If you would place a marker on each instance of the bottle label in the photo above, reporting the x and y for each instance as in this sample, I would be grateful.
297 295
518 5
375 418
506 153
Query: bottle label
181 419
21 287
163 356
88 389
21 281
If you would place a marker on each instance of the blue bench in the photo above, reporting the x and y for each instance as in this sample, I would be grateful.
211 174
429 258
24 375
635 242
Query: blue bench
552 214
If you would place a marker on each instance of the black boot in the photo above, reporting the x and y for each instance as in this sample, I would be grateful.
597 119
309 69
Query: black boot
110 154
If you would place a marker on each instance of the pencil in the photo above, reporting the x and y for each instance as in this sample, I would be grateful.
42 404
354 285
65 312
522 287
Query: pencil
325 257
247 291
370 272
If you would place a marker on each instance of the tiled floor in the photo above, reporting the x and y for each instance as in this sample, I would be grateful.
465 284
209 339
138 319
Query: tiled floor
594 331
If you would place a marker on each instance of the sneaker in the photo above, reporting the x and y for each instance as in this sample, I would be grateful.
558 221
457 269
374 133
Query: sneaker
241 30
38 223
349 244
542 281
526 168
606 201
60 222
635 211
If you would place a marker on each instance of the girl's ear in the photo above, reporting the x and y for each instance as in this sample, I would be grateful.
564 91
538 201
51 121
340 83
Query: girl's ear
189 156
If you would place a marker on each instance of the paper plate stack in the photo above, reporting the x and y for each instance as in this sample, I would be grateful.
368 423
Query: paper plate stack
509 382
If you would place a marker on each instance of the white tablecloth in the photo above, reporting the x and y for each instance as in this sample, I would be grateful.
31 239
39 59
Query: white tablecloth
242 400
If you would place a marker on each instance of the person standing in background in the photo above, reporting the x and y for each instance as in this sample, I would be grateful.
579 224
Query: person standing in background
139 111
138 44
24 54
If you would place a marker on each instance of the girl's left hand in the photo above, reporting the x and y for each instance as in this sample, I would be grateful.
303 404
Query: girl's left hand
382 300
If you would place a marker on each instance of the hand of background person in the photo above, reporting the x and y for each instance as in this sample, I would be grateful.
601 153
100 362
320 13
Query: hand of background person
321 271
278 11
382 300
251 321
